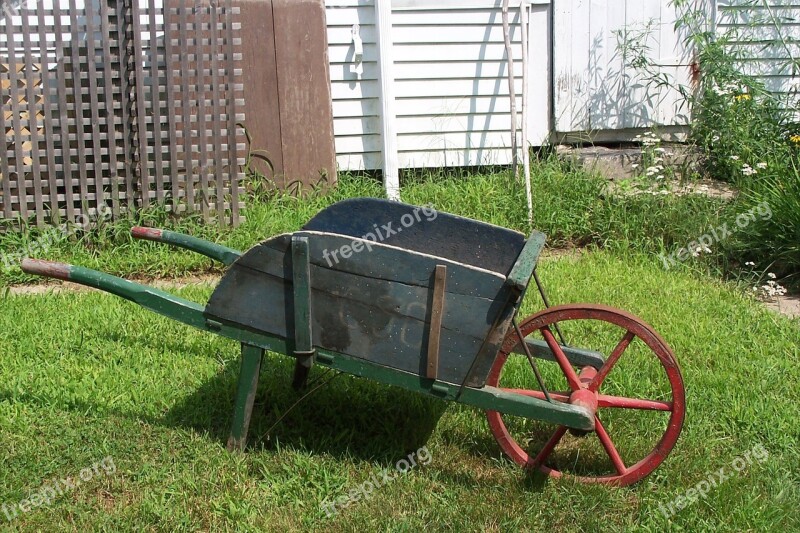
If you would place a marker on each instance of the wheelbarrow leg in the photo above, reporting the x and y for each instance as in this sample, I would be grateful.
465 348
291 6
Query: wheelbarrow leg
245 395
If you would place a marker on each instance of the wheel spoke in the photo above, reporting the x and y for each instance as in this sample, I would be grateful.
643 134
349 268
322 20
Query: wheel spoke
611 361
560 396
621 402
563 362
611 450
542 456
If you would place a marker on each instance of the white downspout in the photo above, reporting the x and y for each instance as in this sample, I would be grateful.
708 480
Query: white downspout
383 16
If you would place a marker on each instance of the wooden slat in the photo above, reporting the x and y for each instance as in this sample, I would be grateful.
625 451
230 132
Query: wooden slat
138 110
32 114
49 133
201 102
63 114
108 99
435 329
460 239
154 98
218 177
176 176
77 107
94 104
233 79
18 172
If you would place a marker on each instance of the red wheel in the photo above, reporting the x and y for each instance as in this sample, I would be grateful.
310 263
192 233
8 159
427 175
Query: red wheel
642 400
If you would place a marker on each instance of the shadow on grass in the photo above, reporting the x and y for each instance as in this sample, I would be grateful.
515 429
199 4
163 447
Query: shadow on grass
347 417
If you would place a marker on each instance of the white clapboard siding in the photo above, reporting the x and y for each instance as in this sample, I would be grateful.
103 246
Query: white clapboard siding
356 99
764 36
450 85
593 90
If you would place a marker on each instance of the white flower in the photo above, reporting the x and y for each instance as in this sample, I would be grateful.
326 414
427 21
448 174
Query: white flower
659 150
735 157
747 170
771 275
660 177
658 160
750 264
635 165
761 165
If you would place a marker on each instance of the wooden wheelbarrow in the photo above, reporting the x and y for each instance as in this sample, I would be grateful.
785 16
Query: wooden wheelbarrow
426 301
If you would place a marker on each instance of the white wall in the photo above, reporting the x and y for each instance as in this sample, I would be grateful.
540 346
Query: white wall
594 92
756 29
450 85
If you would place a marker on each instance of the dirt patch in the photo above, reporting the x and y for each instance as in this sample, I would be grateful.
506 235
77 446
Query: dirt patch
785 305
65 286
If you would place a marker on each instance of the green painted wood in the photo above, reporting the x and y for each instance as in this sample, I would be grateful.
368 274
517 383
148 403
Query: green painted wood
579 357
424 230
215 251
301 302
483 398
245 396
301 284
523 267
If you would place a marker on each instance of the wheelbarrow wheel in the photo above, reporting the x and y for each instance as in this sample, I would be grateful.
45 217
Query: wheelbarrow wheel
636 396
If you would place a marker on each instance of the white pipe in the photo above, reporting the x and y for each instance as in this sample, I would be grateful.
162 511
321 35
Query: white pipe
511 92
391 180
526 156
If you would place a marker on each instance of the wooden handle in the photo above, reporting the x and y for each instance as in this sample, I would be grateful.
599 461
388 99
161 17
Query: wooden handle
437 313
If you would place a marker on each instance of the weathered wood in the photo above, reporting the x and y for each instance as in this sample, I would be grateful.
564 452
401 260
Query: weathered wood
523 267
423 230
260 79
374 305
375 261
304 91
434 332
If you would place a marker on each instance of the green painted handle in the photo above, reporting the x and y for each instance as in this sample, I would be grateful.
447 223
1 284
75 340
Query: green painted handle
150 298
223 254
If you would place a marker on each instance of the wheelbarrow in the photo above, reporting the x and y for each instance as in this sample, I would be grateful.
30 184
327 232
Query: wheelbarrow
428 301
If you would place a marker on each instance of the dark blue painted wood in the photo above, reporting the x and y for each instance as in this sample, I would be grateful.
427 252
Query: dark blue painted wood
372 305
459 239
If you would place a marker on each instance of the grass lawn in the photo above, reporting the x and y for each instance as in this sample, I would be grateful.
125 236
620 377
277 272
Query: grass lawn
87 376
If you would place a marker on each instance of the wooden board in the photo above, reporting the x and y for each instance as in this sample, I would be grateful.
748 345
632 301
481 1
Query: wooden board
375 305
459 239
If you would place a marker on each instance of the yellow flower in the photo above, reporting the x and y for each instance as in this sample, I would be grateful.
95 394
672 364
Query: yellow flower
740 97
795 139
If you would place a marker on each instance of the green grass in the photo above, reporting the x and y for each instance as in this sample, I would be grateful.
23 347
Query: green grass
569 206
84 376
